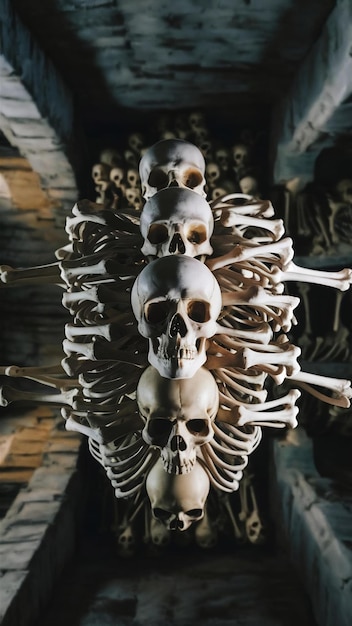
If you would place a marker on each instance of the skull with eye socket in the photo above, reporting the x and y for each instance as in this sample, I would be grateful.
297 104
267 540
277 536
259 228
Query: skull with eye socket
177 500
172 163
178 414
176 301
176 221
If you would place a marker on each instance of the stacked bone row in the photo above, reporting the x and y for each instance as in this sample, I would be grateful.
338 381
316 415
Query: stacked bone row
215 328
180 322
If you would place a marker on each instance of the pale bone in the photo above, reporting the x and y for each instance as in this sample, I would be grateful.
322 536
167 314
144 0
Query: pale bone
280 253
276 307
43 274
287 357
178 500
110 156
234 338
232 218
231 381
340 387
243 204
233 468
65 397
230 482
338 280
172 288
238 442
172 162
75 426
179 415
175 221
96 351
40 375
285 416
111 331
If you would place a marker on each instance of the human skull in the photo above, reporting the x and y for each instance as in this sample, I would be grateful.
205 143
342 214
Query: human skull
241 157
344 190
172 163
131 159
136 142
196 121
176 221
249 185
222 157
133 197
212 174
176 301
178 414
133 177
100 173
116 176
177 500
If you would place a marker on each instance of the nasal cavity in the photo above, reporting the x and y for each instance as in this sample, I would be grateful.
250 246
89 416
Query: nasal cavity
178 326
177 245
178 444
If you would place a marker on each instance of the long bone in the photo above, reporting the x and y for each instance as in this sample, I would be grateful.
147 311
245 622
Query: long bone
42 274
338 280
71 424
280 252
40 375
285 416
242 222
9 394
111 331
243 204
340 387
102 294
261 334
102 268
104 350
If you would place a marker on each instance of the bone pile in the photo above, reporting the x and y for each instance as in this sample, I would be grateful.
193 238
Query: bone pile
179 323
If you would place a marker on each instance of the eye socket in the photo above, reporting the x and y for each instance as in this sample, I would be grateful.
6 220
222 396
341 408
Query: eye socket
158 233
192 178
156 312
159 428
161 514
198 311
195 513
158 178
198 427
197 233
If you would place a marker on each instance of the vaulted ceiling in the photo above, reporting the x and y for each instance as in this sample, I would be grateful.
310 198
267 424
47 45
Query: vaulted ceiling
98 67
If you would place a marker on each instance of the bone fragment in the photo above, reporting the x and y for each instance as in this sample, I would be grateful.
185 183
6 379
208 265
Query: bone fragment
280 252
